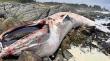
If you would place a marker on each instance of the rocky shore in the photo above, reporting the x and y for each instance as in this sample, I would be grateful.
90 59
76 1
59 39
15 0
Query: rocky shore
13 14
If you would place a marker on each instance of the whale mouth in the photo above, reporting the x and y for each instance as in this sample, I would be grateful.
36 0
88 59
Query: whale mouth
21 32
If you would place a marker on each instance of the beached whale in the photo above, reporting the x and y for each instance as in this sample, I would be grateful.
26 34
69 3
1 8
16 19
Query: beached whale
43 36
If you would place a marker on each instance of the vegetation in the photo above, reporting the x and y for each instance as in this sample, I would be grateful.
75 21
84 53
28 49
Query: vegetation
95 7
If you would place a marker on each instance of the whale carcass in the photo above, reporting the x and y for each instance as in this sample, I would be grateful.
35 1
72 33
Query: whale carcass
43 36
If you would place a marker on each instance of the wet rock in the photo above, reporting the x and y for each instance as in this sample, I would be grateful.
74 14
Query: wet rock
104 24
46 59
108 27
59 57
67 55
2 16
108 24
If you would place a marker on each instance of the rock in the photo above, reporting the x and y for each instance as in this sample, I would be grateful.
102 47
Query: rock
29 56
67 55
108 24
2 15
61 8
20 11
108 27
59 57
1 59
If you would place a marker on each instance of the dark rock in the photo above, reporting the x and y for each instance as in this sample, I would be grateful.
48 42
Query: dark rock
2 15
108 27
59 57
104 24
67 55
102 17
109 18
108 24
